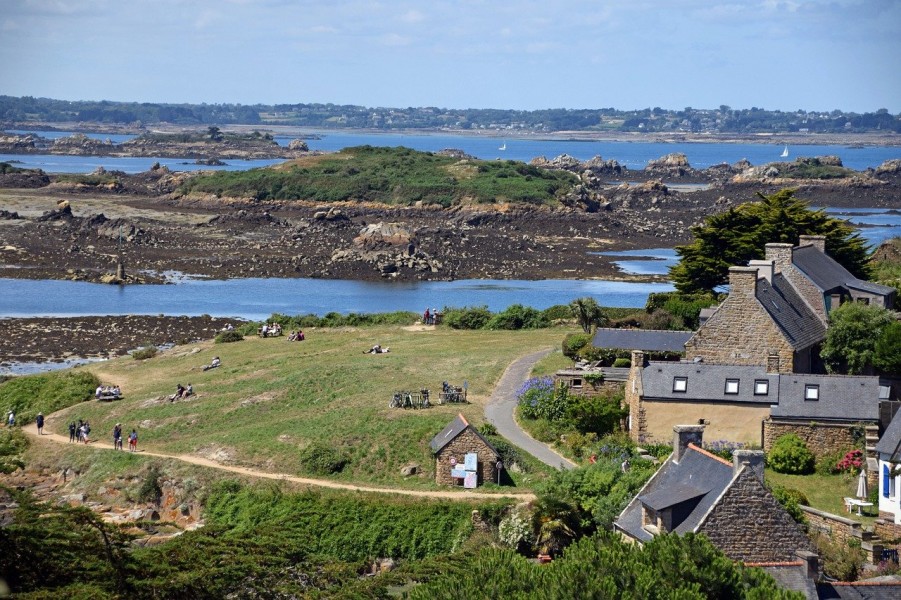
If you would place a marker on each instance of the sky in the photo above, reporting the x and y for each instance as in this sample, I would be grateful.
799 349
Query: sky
816 55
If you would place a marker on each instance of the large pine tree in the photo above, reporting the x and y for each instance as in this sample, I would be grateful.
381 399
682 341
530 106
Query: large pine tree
741 234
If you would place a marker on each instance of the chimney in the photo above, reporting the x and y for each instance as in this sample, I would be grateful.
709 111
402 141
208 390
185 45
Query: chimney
742 281
753 459
812 562
773 363
637 359
764 268
817 241
683 435
781 254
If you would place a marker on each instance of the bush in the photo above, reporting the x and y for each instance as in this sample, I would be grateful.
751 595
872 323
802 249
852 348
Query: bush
539 400
620 363
145 353
573 342
558 312
151 490
851 462
791 455
226 337
517 317
600 414
466 318
487 429
791 500
320 459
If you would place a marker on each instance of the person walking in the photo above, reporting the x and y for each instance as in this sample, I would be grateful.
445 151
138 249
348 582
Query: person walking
86 433
133 441
117 436
71 431
40 421
11 419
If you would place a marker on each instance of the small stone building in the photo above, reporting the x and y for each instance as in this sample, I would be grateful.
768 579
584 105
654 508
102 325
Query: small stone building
452 445
696 491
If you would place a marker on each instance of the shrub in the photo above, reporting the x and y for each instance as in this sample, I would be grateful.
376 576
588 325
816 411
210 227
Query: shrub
600 414
151 490
466 318
850 462
558 312
487 429
539 400
573 342
791 455
620 363
516 317
226 337
144 353
791 500
320 459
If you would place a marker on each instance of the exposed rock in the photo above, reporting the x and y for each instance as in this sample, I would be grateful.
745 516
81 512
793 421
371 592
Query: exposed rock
380 236
889 167
673 160
298 145
455 153
411 469
330 214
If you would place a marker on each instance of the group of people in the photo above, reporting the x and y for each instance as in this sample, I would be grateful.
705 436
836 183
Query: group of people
132 438
270 330
181 392
296 336
107 391
80 432
430 317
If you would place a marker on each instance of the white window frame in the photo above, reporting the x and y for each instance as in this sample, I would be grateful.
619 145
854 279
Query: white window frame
680 384
761 384
811 392
733 391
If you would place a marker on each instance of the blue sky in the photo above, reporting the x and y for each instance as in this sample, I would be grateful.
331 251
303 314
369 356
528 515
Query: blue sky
812 55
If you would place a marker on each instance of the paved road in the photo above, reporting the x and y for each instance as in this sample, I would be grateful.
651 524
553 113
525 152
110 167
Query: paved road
499 411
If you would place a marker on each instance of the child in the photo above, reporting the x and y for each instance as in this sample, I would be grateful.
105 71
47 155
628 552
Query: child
133 441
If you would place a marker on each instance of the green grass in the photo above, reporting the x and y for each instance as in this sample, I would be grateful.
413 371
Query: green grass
551 363
46 393
272 398
398 176
825 492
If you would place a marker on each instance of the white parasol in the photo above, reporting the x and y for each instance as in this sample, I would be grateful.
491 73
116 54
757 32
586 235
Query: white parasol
862 485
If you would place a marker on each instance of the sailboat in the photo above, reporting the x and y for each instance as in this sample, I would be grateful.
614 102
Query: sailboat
784 153
503 146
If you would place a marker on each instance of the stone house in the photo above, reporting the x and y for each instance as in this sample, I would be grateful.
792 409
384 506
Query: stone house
696 491
452 445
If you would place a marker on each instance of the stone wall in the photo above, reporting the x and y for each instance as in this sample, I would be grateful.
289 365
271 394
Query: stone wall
467 441
741 331
580 385
749 525
821 438
886 529
732 421
637 418
843 531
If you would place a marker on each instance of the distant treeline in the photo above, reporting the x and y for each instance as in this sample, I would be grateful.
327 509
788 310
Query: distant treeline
722 119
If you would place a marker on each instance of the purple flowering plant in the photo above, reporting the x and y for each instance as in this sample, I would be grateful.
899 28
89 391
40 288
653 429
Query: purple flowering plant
538 399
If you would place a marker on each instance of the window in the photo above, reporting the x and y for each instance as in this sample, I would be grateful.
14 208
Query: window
761 387
811 392
732 386
680 384
887 481
577 383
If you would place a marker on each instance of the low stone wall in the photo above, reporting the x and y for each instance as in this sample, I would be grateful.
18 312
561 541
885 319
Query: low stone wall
843 530
821 438
888 531
578 384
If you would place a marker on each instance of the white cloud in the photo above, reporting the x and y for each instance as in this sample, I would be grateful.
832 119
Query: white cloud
394 39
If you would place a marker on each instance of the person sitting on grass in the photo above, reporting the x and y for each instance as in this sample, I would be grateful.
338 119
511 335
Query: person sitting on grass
213 364
188 391
377 349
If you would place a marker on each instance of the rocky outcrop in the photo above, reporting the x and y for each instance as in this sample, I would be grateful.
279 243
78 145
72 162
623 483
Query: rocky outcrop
381 236
889 167
673 165
81 145
299 146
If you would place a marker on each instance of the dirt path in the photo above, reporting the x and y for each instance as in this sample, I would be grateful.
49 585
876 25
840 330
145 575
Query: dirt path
31 431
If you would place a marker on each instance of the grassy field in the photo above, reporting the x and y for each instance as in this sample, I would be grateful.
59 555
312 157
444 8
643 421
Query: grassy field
271 398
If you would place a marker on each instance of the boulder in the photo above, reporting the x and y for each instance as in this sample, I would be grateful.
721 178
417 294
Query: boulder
298 145
670 161
377 236
412 469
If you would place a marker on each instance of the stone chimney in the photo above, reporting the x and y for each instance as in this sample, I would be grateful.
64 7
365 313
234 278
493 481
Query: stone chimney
812 562
764 268
683 435
753 459
637 359
773 362
781 254
742 281
817 241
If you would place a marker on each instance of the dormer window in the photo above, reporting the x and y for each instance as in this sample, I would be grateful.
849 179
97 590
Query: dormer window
680 384
732 386
761 387
811 392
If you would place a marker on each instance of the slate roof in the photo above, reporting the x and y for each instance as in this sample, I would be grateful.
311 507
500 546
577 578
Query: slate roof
889 446
455 428
860 590
642 339
707 382
800 325
791 576
827 274
841 397
698 470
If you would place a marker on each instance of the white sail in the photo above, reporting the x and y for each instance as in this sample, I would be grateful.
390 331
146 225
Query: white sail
784 152
503 146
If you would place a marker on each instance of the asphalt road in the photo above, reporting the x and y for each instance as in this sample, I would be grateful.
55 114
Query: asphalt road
499 411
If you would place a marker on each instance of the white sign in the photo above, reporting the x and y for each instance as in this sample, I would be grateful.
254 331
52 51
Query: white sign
471 461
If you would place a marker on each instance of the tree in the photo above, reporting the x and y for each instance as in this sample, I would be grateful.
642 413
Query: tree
854 329
888 350
588 313
215 133
741 234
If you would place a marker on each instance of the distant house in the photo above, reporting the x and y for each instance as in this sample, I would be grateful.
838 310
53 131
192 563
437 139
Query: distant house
451 447
696 491
649 340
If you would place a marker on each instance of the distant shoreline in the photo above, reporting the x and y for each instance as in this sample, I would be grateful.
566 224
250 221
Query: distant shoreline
888 139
